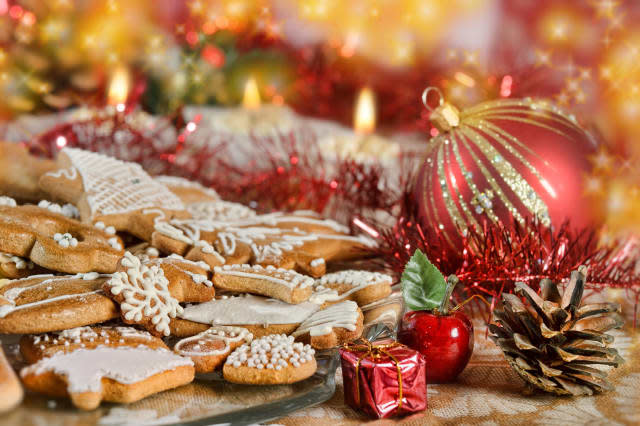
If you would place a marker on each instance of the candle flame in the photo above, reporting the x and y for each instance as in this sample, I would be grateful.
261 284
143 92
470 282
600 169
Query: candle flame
118 87
365 114
251 98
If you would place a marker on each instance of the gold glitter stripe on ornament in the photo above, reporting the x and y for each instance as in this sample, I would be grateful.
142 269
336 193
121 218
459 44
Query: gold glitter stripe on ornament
452 209
510 176
526 106
498 135
469 179
547 111
429 199
515 180
518 120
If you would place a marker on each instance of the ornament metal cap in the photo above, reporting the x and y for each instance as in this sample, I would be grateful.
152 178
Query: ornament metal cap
443 117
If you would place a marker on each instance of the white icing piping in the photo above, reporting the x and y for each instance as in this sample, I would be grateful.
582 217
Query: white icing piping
280 276
341 315
225 334
152 285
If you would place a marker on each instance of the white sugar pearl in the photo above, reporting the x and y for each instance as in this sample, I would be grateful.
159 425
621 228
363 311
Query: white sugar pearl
64 243
260 367
236 364
57 236
278 367
73 242
110 230
99 225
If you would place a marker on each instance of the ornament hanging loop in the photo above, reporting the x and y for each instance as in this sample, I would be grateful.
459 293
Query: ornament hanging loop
445 116
425 97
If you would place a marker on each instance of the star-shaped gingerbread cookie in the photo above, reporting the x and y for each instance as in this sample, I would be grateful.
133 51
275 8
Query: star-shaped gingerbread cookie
118 193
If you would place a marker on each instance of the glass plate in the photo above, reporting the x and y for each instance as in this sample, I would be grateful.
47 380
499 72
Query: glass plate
209 399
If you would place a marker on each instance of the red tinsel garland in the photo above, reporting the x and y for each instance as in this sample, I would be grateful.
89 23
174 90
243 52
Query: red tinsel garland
289 171
491 260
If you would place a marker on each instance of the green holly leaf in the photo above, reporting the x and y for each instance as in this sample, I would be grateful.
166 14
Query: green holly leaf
423 286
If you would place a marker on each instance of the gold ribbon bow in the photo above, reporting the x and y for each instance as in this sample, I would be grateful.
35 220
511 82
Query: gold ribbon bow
375 351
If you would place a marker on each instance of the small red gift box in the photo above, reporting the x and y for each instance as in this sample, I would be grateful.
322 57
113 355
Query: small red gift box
384 378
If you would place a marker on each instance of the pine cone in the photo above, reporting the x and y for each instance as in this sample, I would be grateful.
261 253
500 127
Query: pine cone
551 340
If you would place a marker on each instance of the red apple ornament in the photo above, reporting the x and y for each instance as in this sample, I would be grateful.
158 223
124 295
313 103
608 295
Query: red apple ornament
444 337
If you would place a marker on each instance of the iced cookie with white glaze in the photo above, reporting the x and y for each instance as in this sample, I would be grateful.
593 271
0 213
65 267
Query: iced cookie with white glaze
278 283
332 326
149 293
270 360
296 249
260 315
43 303
120 370
117 193
34 347
363 287
209 349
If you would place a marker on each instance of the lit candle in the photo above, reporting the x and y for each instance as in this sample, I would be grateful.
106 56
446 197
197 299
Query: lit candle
251 97
362 144
364 117
119 89
252 117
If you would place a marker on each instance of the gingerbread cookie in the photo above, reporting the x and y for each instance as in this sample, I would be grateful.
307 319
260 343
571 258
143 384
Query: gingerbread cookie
187 190
56 242
14 267
43 303
149 293
112 371
20 172
332 326
270 360
363 287
278 283
289 248
111 191
263 246
209 349
11 392
36 347
259 315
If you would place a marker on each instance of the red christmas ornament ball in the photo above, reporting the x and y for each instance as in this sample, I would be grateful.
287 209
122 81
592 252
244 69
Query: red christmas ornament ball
503 159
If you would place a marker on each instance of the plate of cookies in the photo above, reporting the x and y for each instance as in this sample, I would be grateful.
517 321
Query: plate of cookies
132 299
